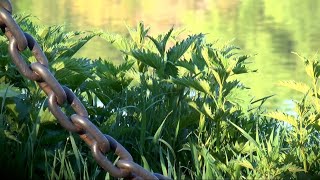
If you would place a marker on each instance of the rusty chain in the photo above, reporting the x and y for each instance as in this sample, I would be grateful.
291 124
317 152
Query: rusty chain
99 143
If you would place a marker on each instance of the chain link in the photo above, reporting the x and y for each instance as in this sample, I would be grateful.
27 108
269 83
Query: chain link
58 95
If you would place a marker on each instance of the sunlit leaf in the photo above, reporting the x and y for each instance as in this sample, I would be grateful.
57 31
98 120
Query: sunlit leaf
175 52
298 86
245 163
161 44
283 117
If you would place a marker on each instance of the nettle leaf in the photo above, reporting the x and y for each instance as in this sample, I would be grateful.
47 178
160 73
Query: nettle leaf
171 69
198 60
138 34
57 43
218 78
72 72
161 45
239 97
241 69
73 47
283 117
242 58
232 64
200 85
221 60
298 86
190 66
213 58
228 51
149 58
104 67
208 111
175 52
313 69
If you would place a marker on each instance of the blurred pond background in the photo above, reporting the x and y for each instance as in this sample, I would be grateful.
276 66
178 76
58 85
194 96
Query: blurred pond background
271 29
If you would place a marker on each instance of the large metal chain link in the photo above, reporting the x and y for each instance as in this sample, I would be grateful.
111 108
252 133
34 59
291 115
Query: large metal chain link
58 95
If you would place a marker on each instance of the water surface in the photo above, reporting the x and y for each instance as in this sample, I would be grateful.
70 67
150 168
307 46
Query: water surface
270 29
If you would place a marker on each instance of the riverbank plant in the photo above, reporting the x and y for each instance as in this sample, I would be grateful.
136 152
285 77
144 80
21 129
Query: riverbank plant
173 100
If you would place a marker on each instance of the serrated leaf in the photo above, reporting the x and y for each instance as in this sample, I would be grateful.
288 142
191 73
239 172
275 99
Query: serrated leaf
138 34
283 117
298 86
227 50
72 48
194 106
171 70
76 69
207 110
175 52
189 66
200 85
239 97
149 58
217 77
161 46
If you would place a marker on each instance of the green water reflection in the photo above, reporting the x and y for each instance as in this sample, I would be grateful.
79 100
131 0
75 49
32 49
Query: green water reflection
272 29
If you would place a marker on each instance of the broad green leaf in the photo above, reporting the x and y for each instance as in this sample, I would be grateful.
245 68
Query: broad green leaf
244 148
72 48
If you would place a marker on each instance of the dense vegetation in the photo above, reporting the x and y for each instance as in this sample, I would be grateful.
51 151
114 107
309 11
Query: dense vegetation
175 103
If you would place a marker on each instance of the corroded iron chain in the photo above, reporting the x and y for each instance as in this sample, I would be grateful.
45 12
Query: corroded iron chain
58 95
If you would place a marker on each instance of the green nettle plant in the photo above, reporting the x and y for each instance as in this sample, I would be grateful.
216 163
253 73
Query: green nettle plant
175 103
304 123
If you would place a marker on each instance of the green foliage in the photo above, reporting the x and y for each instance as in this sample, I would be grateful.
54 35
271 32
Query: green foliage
304 123
179 103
